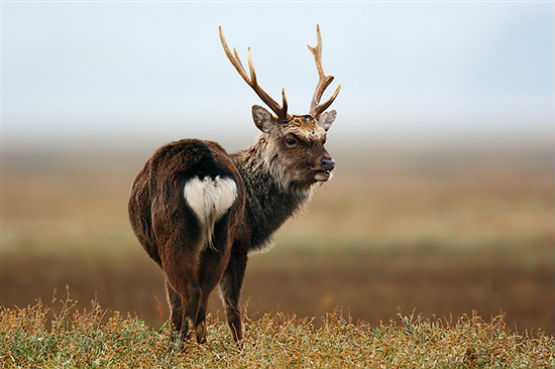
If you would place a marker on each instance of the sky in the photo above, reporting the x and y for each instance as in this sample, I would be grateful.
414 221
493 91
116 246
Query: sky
152 72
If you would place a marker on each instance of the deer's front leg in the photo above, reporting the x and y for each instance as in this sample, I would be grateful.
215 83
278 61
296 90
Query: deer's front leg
230 291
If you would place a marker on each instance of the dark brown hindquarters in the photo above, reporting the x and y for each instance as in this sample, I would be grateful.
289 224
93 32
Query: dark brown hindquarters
171 233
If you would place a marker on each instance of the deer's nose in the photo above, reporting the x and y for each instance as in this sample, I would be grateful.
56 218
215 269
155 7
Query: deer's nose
328 164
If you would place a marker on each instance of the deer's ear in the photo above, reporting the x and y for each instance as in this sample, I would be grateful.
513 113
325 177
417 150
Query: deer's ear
262 118
326 119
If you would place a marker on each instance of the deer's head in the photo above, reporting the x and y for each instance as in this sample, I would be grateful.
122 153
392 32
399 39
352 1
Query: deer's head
295 143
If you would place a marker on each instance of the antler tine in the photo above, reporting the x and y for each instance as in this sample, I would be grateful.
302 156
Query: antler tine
284 99
281 111
236 58
251 68
323 81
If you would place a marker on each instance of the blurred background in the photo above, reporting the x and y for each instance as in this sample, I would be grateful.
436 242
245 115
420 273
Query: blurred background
442 201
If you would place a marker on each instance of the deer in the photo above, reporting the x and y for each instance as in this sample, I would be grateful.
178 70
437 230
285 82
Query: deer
199 212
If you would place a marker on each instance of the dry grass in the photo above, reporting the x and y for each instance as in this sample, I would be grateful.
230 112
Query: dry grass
61 336
378 239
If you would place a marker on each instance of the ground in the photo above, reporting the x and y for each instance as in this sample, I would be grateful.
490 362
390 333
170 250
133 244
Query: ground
439 234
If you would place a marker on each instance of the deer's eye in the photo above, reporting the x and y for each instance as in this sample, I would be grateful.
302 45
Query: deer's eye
291 141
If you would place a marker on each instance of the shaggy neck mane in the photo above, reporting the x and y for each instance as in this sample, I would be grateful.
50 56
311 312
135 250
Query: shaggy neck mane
271 198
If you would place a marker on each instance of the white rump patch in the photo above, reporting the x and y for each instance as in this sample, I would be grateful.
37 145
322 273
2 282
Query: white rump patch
210 199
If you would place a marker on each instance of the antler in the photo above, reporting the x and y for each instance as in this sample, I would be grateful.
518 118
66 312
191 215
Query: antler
281 111
323 82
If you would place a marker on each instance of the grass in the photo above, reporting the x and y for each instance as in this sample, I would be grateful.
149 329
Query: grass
62 336
368 279
451 240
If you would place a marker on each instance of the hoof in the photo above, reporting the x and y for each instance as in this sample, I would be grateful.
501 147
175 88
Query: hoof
200 332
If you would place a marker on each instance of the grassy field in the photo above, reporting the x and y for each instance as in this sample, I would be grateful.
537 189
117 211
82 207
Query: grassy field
441 234
65 337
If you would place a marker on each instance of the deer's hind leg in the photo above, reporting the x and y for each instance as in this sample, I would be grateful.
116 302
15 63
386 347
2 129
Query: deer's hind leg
230 291
179 242
213 263
184 293
175 305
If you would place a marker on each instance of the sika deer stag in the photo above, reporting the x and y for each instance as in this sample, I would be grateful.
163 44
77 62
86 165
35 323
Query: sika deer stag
198 211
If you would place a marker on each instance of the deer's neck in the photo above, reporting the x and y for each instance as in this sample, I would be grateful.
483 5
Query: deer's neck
270 201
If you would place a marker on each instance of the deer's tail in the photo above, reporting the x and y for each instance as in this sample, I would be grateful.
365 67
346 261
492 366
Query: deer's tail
210 194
